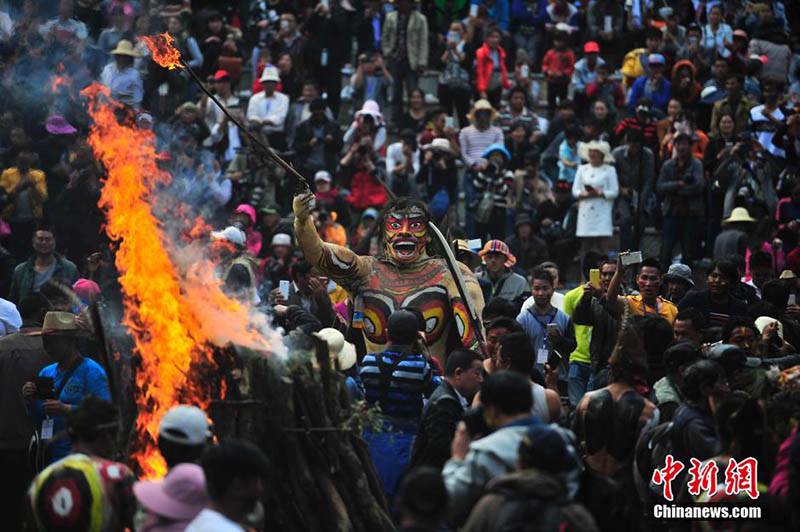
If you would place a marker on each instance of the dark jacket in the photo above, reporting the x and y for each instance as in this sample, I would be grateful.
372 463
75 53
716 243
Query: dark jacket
303 137
590 311
532 498
437 426
693 434
673 191
24 274
529 254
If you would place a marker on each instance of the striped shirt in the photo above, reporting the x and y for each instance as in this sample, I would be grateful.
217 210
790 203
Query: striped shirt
397 381
473 142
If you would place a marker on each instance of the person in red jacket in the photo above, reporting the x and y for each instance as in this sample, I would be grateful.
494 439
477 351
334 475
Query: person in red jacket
558 65
490 68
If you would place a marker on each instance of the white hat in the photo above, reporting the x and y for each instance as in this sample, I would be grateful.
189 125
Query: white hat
322 175
372 109
763 321
281 239
232 234
598 145
185 424
344 352
440 145
563 26
739 215
270 74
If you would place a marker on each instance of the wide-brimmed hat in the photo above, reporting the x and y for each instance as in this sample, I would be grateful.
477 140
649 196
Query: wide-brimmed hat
599 145
739 215
498 246
473 259
344 352
482 105
679 272
125 47
371 108
58 125
787 274
60 324
763 321
439 144
181 495
270 74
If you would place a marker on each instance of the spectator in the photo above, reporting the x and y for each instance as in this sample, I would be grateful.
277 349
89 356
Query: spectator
494 191
564 13
678 281
490 68
22 355
527 26
716 36
363 175
506 400
557 66
404 42
268 109
642 121
649 282
674 33
368 121
529 249
25 191
605 89
636 62
586 71
655 87
403 163
455 85
677 357
121 77
505 283
422 501
44 265
569 158
681 184
289 40
411 374
300 110
100 490
414 117
235 472
437 176
327 52
596 187
765 119
370 81
222 87
604 21
518 111
173 502
664 126
318 140
750 174
218 39
734 103
685 88
463 374
183 435
64 29
635 166
717 302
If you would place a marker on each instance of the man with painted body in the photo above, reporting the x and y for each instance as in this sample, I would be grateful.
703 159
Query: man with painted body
401 275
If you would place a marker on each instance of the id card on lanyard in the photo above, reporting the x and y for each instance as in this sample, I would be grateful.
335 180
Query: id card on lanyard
543 352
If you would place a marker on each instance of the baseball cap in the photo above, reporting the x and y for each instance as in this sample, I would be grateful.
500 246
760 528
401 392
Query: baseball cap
591 47
370 213
186 425
281 239
222 75
322 175
656 59
272 208
232 234
740 33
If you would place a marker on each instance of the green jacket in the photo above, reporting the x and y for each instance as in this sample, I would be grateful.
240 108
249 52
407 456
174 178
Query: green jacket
24 274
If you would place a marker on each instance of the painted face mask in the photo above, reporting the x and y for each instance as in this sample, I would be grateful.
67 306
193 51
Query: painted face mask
405 236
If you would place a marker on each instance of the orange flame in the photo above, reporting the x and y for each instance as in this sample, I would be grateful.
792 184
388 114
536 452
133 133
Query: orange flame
60 80
163 52
174 306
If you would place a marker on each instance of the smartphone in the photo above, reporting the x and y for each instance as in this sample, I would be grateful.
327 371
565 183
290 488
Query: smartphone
792 299
554 359
44 387
594 278
524 71
473 10
283 287
552 326
635 257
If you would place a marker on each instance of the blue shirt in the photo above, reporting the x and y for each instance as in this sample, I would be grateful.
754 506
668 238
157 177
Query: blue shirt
659 97
411 378
88 379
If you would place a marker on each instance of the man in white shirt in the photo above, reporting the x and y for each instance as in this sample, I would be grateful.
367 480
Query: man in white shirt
235 472
64 28
402 164
268 109
557 299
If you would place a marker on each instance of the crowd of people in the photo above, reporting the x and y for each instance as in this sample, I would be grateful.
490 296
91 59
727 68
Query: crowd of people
546 138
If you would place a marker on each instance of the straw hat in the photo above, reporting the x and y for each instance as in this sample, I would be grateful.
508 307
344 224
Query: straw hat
60 324
787 274
739 215
338 349
124 47
482 105
599 145
439 145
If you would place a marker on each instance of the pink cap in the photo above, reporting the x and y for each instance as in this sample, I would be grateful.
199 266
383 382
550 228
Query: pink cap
86 289
248 210
591 47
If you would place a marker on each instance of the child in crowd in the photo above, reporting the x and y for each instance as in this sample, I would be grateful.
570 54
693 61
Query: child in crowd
558 65
568 158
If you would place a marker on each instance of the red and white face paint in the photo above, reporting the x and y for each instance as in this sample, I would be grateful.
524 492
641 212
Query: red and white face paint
406 235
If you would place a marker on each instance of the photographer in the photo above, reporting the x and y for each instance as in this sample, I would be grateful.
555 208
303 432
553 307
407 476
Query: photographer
362 173
370 80
317 140
402 163
437 175
748 173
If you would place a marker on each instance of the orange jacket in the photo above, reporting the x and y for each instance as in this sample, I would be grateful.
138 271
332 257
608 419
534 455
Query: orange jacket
484 66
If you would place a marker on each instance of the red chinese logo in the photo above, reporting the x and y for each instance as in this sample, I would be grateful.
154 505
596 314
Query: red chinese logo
740 477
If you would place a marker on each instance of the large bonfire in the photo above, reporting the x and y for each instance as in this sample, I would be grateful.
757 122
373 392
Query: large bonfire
175 309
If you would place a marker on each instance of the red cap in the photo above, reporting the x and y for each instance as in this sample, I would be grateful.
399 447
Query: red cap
590 47
221 74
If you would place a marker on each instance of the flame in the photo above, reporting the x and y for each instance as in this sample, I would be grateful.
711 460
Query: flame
163 52
175 309
60 80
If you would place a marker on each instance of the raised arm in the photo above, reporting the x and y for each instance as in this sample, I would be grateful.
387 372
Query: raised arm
337 262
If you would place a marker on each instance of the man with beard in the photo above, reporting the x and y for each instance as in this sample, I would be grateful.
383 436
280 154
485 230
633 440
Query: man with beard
403 274
648 301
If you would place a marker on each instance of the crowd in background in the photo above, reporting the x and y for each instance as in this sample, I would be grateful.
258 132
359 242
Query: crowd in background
557 134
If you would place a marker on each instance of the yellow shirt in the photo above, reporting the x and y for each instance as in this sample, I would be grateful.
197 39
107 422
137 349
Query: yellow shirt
663 308
10 180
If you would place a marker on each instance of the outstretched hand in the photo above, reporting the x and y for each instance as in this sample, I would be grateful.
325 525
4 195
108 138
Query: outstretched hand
303 204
